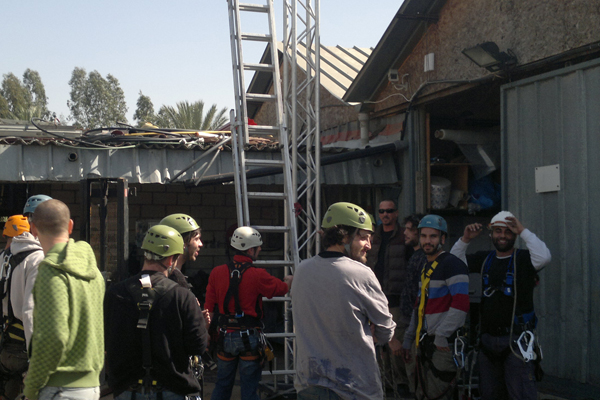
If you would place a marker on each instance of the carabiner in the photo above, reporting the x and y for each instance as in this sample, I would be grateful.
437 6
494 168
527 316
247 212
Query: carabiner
459 352
527 340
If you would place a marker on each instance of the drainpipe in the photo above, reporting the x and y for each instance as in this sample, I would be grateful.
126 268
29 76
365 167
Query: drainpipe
363 118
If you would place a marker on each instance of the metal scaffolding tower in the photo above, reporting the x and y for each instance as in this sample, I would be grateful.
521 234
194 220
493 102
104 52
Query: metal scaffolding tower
301 50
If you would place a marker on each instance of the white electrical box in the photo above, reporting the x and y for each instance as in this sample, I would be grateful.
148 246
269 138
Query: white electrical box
547 178
429 62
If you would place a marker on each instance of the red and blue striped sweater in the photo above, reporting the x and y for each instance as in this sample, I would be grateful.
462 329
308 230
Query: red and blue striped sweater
447 301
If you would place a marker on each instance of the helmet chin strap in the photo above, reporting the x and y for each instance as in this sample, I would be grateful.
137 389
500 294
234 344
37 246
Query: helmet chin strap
347 247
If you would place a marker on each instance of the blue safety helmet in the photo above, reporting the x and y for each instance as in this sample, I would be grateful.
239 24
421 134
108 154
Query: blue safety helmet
33 202
435 222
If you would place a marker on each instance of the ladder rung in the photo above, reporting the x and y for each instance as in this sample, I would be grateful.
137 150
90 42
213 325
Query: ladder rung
256 37
280 372
268 129
280 335
258 67
258 161
275 299
260 97
267 228
273 263
254 7
267 195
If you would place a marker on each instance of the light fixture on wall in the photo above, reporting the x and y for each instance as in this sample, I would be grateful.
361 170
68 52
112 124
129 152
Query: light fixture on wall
489 56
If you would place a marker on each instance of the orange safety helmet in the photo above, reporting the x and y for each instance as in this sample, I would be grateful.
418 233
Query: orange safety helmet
16 225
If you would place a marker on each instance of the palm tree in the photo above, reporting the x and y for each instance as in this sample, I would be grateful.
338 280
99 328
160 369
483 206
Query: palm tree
191 116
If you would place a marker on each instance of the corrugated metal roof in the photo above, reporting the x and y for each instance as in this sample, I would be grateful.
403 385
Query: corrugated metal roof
339 67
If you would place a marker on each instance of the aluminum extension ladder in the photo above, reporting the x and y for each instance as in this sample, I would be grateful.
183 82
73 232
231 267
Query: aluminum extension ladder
241 132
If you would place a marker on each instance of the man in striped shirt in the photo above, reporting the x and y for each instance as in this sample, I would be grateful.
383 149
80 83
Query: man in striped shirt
441 310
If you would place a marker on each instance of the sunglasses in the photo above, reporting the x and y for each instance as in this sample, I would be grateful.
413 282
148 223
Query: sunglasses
387 210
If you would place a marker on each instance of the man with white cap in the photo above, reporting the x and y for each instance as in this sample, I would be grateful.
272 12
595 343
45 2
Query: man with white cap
509 276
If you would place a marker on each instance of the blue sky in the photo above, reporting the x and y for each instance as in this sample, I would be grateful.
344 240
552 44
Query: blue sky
171 51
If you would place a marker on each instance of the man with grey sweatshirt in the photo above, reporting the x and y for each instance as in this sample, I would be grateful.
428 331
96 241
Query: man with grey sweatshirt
339 310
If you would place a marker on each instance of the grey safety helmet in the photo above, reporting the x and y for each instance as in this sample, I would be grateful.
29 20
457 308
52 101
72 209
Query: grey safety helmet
347 214
163 241
245 238
33 202
435 222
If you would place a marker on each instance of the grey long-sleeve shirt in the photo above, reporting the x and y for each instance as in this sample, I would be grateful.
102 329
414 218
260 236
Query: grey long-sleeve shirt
333 300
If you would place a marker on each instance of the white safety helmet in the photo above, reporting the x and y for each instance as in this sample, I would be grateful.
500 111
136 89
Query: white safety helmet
245 238
500 219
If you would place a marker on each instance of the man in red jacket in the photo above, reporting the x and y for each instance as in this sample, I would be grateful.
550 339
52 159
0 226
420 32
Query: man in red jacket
234 296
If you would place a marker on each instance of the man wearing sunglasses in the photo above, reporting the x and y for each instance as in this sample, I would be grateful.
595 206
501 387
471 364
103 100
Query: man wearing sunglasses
387 258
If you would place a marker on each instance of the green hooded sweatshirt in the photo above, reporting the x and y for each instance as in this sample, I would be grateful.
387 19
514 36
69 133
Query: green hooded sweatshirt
67 346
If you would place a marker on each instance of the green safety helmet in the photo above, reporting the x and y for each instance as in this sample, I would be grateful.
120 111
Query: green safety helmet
435 222
347 214
163 241
182 223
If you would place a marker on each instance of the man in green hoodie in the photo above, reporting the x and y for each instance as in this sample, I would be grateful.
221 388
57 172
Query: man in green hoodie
67 346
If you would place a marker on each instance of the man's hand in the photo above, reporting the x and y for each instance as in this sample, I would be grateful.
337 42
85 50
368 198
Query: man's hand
444 349
395 346
206 315
471 232
514 225
288 279
406 355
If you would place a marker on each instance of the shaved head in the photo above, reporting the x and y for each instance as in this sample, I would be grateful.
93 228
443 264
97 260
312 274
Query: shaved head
52 218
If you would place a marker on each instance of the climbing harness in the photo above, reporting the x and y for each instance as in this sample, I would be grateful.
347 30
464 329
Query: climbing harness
508 283
237 321
145 296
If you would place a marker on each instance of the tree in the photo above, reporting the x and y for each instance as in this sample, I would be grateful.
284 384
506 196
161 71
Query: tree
96 101
145 110
35 87
191 116
23 100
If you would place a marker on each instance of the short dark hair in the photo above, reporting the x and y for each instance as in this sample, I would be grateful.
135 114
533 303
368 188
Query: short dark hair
189 235
51 218
414 219
336 234
393 201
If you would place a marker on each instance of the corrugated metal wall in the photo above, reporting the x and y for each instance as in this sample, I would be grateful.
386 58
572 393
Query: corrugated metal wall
555 119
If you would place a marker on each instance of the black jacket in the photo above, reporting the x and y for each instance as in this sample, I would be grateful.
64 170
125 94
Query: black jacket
394 274
177 331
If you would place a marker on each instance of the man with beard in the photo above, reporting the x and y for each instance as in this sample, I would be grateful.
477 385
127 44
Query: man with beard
509 276
410 288
189 230
387 258
443 305
336 298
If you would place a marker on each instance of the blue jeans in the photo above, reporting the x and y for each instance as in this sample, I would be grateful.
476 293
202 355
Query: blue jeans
69 393
250 371
317 393
504 376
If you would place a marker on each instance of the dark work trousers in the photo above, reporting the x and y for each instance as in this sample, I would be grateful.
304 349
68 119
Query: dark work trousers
502 374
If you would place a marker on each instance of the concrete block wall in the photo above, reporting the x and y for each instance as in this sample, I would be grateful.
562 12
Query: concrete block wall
213 207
